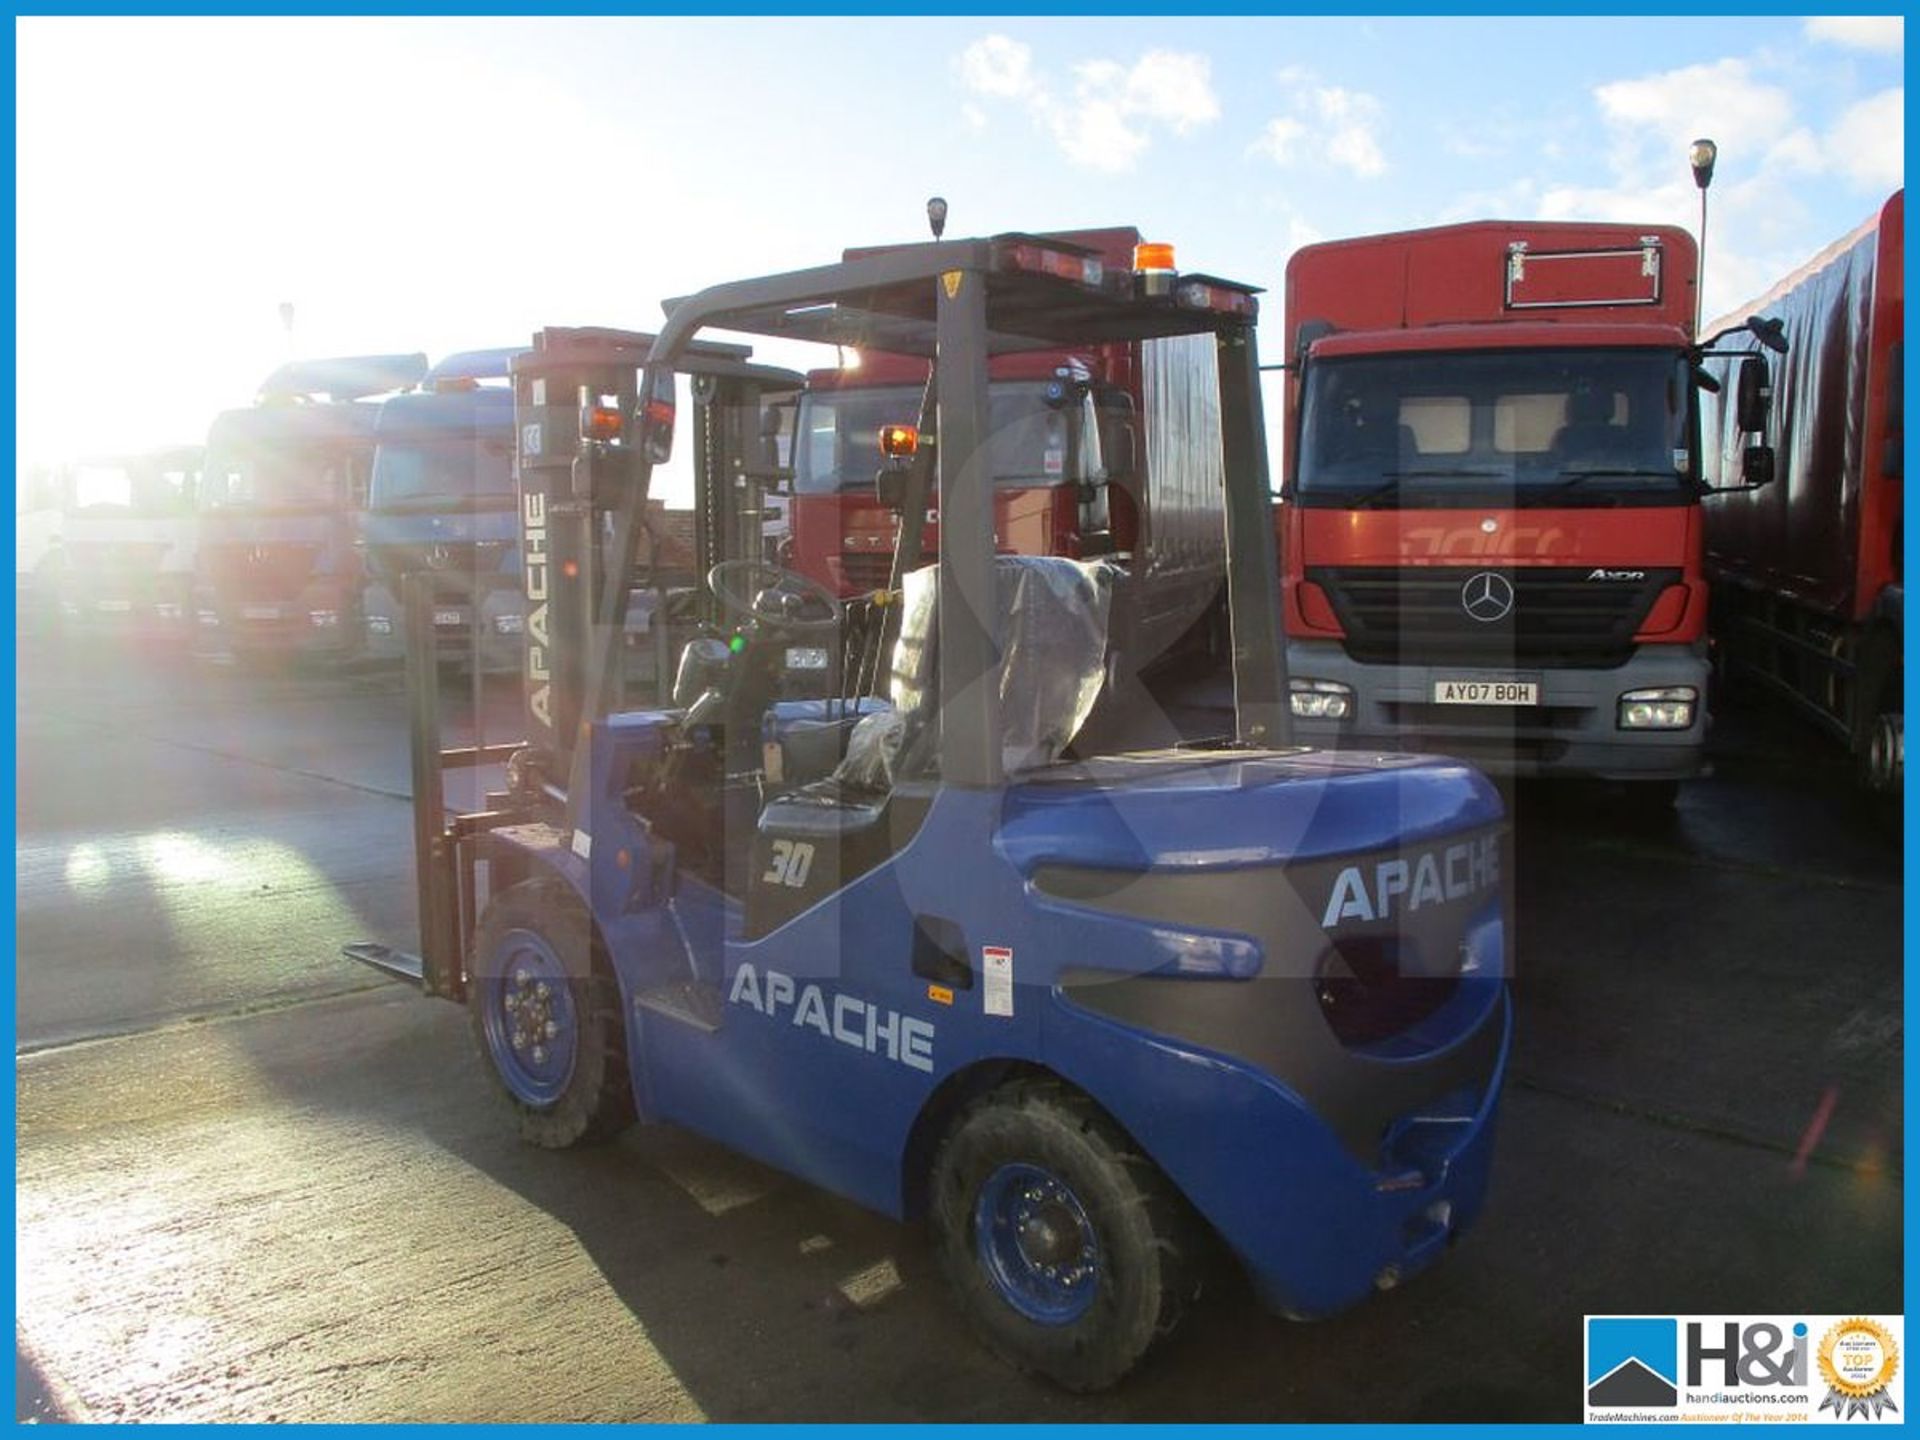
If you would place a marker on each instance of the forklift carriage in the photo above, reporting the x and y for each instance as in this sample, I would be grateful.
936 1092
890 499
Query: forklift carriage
1094 1015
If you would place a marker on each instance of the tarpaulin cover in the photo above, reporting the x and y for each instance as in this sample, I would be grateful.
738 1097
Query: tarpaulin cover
1801 535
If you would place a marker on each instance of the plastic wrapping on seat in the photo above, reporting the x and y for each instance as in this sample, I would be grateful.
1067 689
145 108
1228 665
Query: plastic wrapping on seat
1051 626
873 752
1052 629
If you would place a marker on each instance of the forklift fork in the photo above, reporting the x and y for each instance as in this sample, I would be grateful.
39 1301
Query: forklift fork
442 862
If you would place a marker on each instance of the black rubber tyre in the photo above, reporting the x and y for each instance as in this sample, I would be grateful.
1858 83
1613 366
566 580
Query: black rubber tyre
1150 1244
596 1102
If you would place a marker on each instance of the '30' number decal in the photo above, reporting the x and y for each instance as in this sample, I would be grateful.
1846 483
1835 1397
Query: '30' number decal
792 860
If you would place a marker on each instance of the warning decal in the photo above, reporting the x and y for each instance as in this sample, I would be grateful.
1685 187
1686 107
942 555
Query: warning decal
996 966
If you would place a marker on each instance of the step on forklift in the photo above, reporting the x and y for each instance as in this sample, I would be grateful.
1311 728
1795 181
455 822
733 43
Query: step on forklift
1098 1016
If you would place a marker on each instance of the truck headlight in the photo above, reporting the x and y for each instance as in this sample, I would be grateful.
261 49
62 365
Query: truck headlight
509 624
379 625
1667 708
806 657
1320 699
208 617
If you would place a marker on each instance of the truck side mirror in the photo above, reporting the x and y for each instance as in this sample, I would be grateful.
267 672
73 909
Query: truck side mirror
1754 396
770 440
656 418
766 466
890 486
1771 333
1119 437
1122 456
1756 466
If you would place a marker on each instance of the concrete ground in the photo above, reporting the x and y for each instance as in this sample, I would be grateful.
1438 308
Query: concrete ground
255 1182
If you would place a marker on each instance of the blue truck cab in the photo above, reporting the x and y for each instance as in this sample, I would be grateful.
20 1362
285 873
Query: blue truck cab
442 501
955 946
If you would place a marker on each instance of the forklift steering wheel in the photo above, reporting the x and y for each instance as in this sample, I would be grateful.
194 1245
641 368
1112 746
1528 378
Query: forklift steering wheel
743 586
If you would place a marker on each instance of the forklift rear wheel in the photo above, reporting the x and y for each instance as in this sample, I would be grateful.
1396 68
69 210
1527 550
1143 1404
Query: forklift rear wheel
546 1014
1069 1251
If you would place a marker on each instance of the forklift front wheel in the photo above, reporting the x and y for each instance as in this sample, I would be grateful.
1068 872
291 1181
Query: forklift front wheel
546 1014
1068 1250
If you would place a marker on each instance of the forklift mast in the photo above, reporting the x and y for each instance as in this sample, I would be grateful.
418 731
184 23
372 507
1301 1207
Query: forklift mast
580 479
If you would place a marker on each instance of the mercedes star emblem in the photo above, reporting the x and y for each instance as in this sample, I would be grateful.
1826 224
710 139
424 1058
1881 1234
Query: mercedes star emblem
1487 597
437 556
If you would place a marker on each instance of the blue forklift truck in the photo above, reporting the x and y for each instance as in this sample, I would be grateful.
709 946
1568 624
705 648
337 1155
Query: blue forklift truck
442 500
1091 1012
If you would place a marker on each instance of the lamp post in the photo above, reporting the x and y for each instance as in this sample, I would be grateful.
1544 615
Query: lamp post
1701 155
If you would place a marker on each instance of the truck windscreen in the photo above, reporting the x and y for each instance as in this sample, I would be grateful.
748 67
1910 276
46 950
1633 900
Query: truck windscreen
442 474
1525 427
278 477
128 489
839 447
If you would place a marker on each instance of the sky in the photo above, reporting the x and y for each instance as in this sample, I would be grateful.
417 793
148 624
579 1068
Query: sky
439 184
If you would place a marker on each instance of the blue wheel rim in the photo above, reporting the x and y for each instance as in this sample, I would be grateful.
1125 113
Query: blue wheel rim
1036 1245
526 1007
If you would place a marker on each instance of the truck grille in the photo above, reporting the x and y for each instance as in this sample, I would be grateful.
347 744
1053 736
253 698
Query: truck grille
1559 616
270 571
455 564
868 570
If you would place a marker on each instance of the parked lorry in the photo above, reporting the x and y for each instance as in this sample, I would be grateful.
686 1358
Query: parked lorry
1091 1012
1808 582
1490 525
124 566
441 499
282 503
38 517
1098 450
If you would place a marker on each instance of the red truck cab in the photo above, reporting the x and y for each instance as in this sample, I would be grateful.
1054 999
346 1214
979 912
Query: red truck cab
1091 449
1490 528
1045 457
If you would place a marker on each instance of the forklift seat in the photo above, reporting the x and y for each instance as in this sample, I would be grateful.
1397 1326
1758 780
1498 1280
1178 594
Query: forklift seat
804 740
1051 623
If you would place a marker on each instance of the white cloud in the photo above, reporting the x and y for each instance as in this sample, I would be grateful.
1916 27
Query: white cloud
1868 142
998 66
1798 151
1280 141
1722 100
1859 32
1172 87
1113 110
1351 142
1327 123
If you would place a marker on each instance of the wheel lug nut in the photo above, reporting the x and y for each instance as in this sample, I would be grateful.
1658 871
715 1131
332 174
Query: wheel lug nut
552 1030
539 1054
